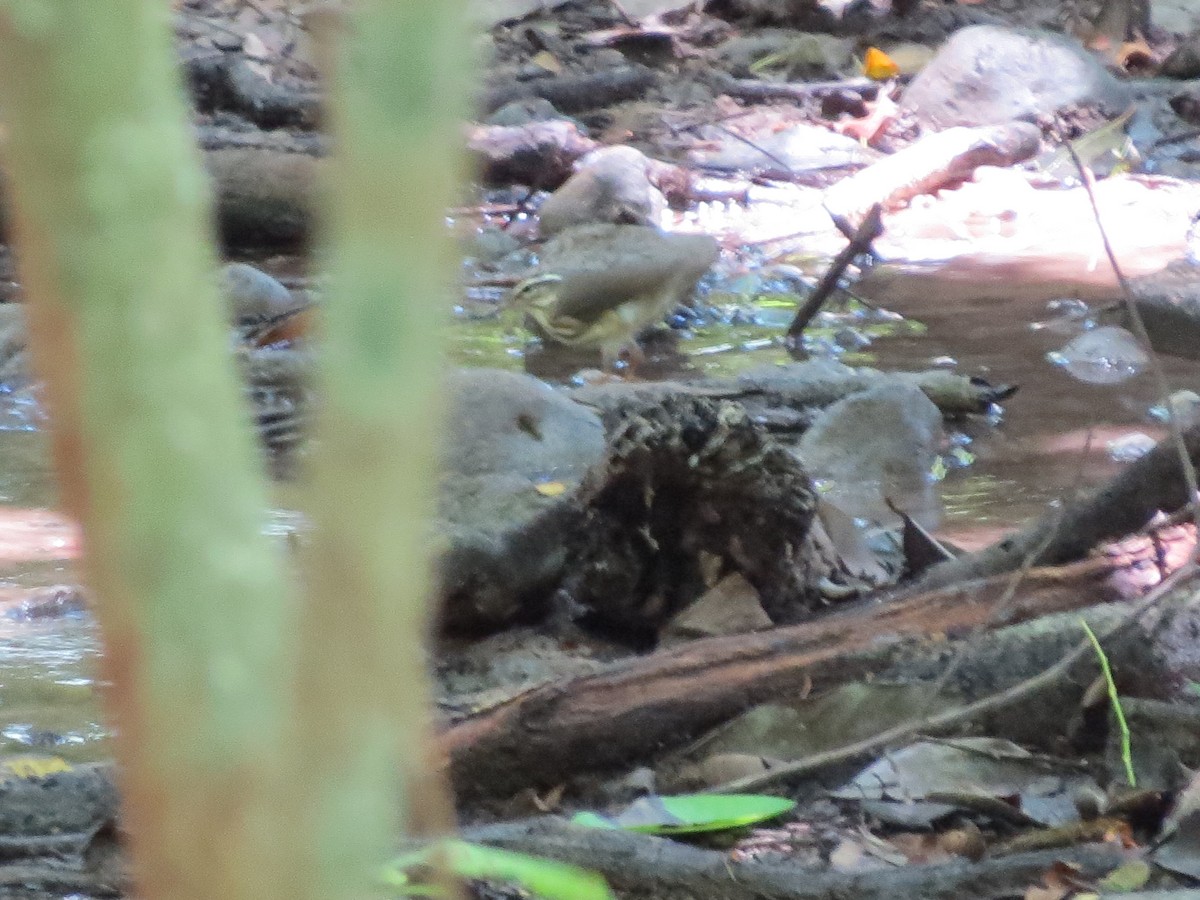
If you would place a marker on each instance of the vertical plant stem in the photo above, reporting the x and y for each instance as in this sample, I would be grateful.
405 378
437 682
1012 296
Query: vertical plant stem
1114 700
398 84
151 440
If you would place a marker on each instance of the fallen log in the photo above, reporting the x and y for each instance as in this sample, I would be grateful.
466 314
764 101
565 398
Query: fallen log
770 393
637 708
264 185
931 163
756 91
575 93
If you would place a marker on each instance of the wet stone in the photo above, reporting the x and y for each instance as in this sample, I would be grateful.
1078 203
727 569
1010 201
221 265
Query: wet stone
990 74
515 451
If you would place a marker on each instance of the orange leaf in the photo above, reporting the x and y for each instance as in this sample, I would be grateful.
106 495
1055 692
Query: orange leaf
289 327
1135 56
878 66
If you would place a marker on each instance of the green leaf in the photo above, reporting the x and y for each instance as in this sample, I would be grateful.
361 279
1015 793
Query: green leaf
593 820
1130 876
1109 141
690 813
544 877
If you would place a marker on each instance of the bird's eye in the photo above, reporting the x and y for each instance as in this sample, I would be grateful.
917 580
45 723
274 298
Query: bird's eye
531 288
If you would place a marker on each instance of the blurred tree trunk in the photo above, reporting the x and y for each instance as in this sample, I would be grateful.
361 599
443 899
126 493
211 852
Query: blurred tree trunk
150 438
398 82
248 772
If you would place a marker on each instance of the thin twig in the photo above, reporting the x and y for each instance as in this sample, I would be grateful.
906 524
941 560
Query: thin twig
1001 609
1185 514
623 15
701 121
749 143
1139 330
960 714
871 228
1010 589
1167 140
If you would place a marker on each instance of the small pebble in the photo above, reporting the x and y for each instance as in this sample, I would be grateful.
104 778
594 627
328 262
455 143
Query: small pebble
1130 447
253 294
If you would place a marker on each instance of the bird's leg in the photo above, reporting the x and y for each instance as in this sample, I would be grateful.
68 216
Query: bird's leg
622 359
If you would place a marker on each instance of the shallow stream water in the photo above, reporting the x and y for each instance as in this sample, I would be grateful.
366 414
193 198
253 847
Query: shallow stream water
47 697
1052 440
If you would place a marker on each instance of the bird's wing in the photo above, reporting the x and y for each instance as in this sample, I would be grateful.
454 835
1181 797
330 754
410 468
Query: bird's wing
662 272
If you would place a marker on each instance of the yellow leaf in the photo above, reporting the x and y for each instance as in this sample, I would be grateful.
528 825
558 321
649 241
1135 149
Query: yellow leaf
878 66
550 488
548 61
33 766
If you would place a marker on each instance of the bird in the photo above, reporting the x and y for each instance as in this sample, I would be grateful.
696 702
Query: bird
598 287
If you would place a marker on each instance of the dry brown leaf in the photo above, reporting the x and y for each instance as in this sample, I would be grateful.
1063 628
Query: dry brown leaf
1136 56
1060 880
880 113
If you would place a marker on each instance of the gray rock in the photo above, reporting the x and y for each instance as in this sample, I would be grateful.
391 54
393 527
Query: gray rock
508 423
253 294
988 75
731 606
1177 16
524 111
490 244
1186 103
1184 61
1169 305
878 444
610 185
501 536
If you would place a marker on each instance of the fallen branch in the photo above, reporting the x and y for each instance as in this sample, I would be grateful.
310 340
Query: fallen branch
800 388
931 163
870 228
753 89
575 93
637 708
639 865
950 718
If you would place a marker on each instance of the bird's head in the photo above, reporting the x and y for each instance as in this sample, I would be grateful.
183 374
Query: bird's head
540 291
